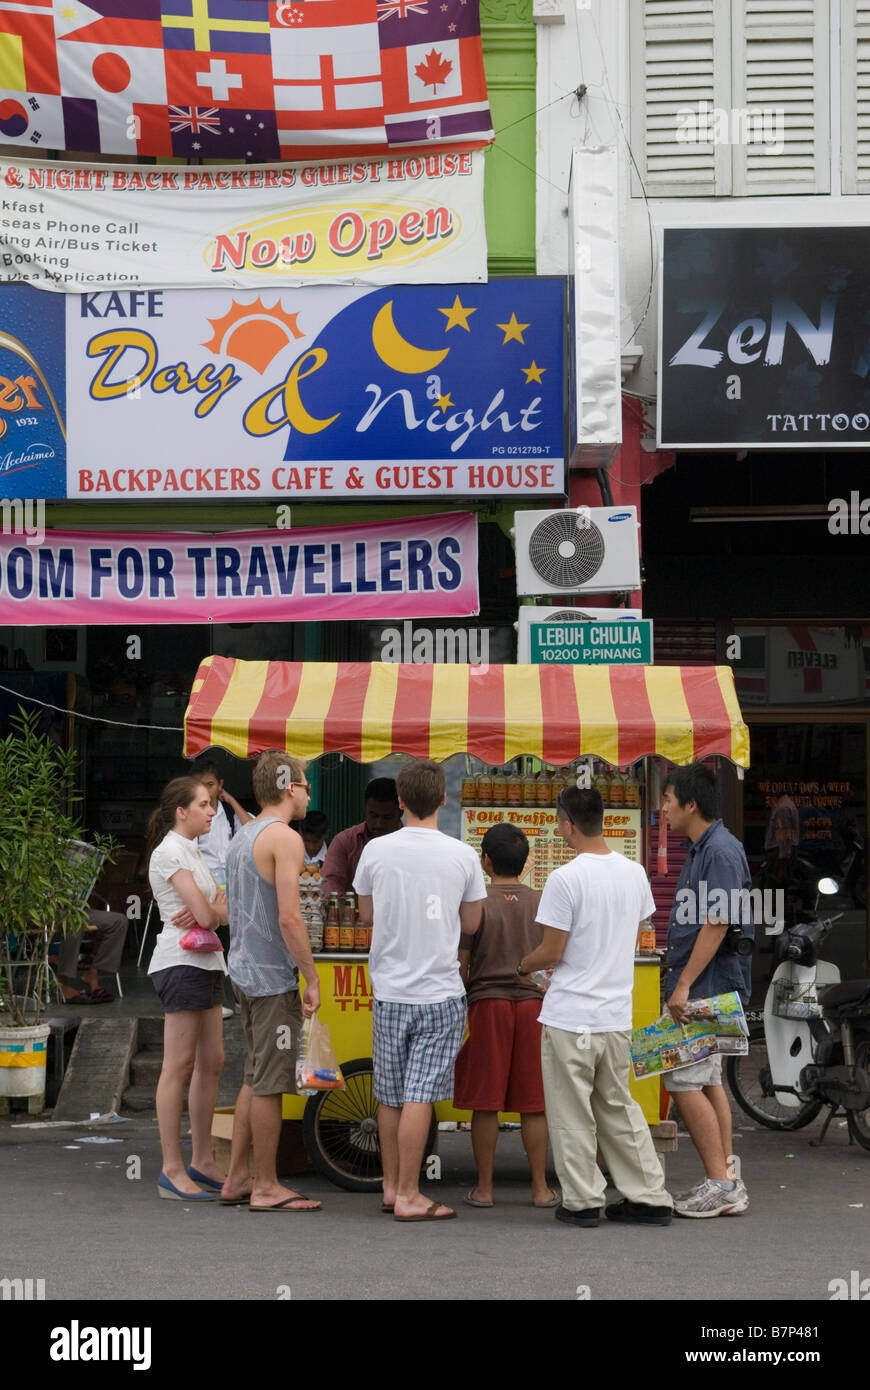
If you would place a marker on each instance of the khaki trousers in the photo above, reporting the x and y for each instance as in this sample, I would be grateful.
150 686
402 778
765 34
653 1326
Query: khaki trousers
588 1100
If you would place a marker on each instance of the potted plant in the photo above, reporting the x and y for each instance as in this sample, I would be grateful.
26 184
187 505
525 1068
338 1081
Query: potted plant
46 873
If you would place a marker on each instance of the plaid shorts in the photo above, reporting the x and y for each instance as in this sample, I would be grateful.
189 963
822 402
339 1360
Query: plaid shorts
414 1047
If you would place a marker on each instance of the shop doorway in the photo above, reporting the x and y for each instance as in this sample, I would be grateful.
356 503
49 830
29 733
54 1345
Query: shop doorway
805 817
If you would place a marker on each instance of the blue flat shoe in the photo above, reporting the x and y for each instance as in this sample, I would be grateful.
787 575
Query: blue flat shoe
167 1189
201 1177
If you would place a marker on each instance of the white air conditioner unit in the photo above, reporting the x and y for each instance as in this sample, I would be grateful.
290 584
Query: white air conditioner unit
583 550
529 614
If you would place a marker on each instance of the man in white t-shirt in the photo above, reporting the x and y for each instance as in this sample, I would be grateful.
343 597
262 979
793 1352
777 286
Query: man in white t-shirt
420 890
591 910
228 814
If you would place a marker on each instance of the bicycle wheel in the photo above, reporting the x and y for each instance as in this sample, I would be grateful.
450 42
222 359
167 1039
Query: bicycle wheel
340 1130
752 1087
859 1120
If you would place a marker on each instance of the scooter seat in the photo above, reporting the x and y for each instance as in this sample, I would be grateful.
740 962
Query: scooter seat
848 995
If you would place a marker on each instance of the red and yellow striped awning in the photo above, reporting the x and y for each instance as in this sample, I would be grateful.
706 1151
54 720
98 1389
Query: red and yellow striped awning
496 713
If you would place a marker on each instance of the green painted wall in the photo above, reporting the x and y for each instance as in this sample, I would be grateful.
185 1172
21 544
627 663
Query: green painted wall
508 31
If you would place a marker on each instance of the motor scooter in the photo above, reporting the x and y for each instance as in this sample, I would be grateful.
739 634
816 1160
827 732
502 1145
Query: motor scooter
811 1047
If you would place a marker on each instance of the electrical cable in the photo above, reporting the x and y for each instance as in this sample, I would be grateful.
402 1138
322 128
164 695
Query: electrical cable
564 97
93 718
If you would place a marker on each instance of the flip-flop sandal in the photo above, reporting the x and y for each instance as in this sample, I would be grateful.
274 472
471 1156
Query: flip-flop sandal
471 1202
101 996
555 1201
81 998
287 1205
238 1202
385 1206
428 1214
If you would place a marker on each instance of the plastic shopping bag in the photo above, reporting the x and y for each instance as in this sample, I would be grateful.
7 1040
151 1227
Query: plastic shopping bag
200 939
317 1068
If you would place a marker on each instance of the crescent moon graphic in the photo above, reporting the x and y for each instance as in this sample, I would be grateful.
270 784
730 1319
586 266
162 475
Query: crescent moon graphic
395 351
279 14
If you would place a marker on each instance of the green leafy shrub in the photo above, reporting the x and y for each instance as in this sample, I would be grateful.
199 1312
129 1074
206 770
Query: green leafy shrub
44 880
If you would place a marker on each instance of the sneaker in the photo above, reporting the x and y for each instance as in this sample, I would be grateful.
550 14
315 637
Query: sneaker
689 1192
226 1013
586 1216
638 1213
712 1200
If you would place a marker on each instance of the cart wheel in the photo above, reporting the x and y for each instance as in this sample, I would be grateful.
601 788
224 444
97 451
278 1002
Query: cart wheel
340 1129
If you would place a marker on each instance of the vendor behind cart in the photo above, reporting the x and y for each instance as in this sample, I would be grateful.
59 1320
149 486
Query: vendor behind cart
382 817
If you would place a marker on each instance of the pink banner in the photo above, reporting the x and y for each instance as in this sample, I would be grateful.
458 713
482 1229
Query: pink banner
414 567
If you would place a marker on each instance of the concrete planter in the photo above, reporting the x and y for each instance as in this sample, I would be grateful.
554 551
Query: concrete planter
23 1054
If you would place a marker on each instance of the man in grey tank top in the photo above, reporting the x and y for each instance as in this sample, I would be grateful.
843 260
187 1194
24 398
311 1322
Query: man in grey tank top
269 947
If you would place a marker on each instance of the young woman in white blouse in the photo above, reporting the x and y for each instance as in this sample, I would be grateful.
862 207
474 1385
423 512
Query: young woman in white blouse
189 985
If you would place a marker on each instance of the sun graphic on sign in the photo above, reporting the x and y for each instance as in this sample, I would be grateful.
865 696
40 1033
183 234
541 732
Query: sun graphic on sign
253 334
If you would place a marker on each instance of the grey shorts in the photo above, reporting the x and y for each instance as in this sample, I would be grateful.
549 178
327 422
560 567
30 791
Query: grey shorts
414 1048
188 988
699 1074
271 1025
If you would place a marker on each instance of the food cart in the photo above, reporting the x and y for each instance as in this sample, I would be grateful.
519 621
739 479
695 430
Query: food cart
624 716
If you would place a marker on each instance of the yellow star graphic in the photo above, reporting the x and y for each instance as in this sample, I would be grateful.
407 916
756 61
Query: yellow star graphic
512 329
534 372
443 402
457 315
68 12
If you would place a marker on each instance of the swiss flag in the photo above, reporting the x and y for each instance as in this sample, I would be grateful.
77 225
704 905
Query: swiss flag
214 79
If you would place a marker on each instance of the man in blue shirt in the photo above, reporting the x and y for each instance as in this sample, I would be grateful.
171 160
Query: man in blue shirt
712 895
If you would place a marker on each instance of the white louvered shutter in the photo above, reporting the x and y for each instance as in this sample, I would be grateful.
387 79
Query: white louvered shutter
780 66
680 61
855 90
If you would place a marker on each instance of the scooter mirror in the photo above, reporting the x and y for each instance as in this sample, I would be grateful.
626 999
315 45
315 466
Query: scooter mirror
828 886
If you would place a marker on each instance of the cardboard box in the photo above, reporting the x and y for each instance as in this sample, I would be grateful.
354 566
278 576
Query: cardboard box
292 1158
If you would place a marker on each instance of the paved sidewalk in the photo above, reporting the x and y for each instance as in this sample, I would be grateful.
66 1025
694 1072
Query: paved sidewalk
71 1216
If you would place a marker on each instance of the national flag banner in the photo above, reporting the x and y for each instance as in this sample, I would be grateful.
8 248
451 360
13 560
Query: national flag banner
258 80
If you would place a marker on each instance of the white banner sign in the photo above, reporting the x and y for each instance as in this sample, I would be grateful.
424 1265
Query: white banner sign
412 220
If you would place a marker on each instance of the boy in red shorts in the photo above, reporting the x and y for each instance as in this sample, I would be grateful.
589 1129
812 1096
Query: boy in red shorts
499 1067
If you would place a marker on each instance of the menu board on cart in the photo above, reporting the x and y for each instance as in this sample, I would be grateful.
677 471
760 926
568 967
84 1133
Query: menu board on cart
547 849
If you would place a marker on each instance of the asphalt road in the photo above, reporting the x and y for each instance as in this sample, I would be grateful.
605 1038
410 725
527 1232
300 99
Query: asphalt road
71 1216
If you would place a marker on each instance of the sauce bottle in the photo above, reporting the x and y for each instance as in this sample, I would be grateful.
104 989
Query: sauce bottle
499 788
346 919
530 786
601 783
360 933
331 932
468 795
514 789
543 788
631 790
484 788
617 790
